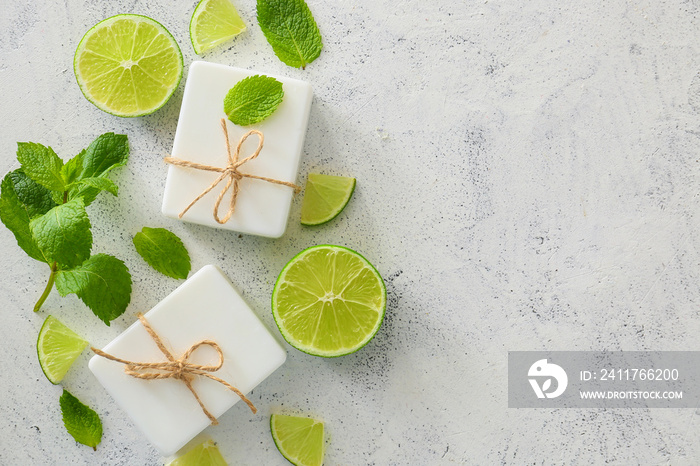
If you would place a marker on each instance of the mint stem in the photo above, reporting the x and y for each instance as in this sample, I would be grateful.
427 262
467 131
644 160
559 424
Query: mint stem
49 286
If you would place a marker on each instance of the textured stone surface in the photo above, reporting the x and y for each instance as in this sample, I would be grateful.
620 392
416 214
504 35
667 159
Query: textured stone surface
528 179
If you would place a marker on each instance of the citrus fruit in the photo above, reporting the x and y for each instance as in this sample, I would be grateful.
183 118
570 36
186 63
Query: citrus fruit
57 347
328 301
325 197
128 65
204 454
299 439
214 22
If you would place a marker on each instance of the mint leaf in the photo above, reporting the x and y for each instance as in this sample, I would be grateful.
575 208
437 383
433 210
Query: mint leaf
72 169
163 251
253 99
81 422
102 282
103 154
291 30
16 214
41 164
35 197
63 234
99 183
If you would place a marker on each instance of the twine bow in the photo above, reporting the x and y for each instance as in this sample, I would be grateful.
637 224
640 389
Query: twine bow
231 172
177 368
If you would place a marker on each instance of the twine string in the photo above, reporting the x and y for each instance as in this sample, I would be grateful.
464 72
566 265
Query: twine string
177 368
229 172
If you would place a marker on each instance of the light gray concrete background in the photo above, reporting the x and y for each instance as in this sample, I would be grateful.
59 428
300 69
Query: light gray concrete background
528 179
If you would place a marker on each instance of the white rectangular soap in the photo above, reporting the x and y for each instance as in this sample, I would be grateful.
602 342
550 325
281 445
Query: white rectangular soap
205 307
262 208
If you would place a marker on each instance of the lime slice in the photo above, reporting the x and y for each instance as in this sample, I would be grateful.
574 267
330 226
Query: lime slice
328 301
57 347
325 197
214 22
128 65
204 454
299 439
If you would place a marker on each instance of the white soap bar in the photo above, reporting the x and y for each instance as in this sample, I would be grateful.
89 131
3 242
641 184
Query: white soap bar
205 307
262 208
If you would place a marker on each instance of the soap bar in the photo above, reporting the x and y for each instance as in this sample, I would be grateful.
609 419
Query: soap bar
205 307
262 208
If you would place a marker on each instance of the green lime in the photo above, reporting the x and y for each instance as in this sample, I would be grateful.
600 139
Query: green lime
214 22
328 301
128 65
57 347
299 439
204 454
325 197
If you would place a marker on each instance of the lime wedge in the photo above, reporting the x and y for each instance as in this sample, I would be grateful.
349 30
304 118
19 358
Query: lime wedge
328 301
325 197
214 22
128 65
57 347
299 439
204 454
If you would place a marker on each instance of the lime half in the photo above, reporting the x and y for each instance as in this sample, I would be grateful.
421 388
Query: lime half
204 454
325 197
299 439
213 23
328 301
128 65
57 347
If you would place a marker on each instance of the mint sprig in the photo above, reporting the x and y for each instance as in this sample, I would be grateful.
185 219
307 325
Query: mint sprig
81 422
253 99
291 30
43 205
163 251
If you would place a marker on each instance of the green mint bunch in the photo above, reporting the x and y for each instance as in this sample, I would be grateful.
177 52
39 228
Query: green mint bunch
43 205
